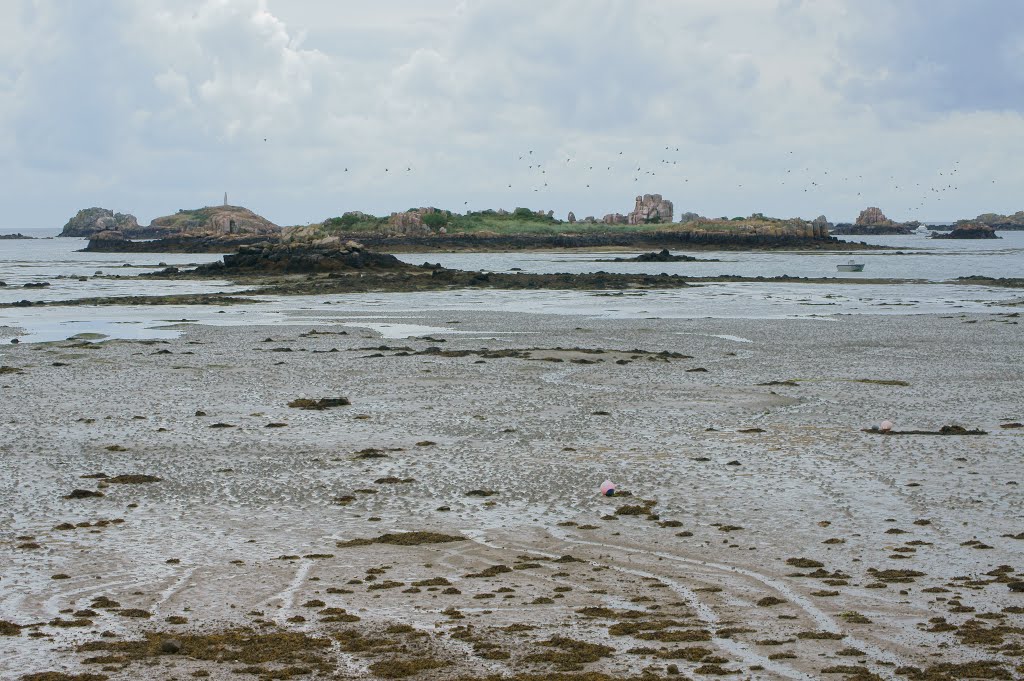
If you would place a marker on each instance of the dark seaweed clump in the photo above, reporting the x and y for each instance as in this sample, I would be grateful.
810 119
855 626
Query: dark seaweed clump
321 404
404 539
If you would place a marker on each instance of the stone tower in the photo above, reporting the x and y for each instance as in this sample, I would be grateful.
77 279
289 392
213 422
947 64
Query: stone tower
225 198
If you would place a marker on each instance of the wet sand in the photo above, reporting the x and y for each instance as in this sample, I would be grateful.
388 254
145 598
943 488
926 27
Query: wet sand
802 548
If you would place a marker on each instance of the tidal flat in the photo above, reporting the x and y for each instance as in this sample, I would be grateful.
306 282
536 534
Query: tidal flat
168 515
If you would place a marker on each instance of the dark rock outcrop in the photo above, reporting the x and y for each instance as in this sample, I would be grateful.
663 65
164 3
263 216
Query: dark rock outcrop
798 235
116 242
865 230
18 235
970 230
325 255
1005 282
659 256
89 221
766 237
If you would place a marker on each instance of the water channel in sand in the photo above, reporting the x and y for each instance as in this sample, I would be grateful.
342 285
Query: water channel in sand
930 265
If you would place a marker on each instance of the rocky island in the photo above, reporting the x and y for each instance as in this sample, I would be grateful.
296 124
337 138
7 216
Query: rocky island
303 265
324 255
330 266
89 221
1002 223
664 255
649 224
872 221
968 230
201 230
223 229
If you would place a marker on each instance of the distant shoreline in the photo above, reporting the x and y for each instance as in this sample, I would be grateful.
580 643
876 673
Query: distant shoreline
692 241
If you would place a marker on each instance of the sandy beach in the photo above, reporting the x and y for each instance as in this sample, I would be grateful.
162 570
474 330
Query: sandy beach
763 533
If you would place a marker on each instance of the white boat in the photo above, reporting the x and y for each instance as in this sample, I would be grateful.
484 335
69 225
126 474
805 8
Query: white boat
851 267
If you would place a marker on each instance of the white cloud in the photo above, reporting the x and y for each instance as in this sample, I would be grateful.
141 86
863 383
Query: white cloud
162 104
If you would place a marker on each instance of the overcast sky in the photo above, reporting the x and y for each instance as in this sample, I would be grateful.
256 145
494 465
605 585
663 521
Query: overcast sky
303 109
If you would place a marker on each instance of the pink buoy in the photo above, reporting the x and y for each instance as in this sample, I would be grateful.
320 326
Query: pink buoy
608 488
885 426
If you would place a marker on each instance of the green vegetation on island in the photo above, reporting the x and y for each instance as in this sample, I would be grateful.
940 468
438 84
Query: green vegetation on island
433 220
420 222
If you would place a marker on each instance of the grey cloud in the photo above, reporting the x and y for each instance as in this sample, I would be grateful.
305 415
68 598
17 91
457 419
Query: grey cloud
73 101
937 57
164 103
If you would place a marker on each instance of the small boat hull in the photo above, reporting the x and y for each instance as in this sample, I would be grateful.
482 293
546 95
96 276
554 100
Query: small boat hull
851 267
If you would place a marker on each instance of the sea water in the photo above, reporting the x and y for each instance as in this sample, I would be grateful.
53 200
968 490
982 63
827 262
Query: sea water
925 270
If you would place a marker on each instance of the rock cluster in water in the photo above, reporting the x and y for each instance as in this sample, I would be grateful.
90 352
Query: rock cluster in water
873 221
664 255
212 221
999 222
329 254
968 230
89 221
872 216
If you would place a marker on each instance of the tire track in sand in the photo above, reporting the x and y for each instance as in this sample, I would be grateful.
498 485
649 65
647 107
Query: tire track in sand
705 613
822 619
